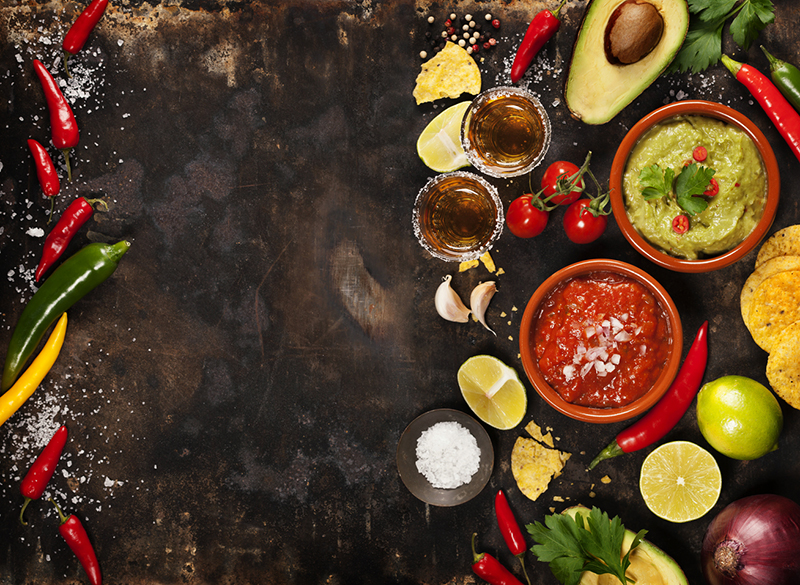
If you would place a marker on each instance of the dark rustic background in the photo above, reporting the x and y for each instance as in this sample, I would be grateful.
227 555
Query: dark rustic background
236 391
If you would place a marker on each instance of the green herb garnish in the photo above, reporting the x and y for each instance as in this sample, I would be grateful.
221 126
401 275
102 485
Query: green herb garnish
574 545
703 44
691 181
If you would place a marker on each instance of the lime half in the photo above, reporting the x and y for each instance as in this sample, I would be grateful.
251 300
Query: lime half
493 391
439 145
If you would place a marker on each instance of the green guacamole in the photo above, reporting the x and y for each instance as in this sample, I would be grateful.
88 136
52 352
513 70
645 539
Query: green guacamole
731 214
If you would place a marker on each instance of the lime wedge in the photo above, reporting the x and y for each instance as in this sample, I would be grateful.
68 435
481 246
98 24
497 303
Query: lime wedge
680 481
439 145
493 391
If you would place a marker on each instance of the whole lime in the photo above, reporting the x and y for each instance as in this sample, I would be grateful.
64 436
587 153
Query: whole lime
739 417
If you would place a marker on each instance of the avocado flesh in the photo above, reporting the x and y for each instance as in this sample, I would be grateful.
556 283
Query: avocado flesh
649 564
597 90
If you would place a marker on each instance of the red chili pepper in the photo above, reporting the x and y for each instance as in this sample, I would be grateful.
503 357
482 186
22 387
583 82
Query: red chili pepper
489 568
80 29
541 29
74 533
680 224
779 110
510 530
700 153
713 188
46 172
669 410
63 128
77 214
34 482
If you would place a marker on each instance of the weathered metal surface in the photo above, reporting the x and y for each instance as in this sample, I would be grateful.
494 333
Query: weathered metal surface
235 392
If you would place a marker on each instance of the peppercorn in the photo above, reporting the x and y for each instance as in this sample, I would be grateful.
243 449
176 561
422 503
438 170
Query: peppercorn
496 23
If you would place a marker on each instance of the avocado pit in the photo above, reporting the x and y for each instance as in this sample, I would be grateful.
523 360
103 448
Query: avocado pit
634 29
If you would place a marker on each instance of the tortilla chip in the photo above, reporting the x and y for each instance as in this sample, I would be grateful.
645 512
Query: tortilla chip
448 74
783 365
785 242
486 258
467 265
769 268
534 466
535 431
775 304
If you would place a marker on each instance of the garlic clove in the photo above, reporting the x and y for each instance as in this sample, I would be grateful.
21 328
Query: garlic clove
449 304
479 301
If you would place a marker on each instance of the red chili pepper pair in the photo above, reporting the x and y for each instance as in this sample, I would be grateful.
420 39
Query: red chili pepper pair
80 29
541 29
77 214
34 482
46 172
63 127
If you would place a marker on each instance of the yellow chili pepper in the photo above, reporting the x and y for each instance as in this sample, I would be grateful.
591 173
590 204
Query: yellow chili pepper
29 381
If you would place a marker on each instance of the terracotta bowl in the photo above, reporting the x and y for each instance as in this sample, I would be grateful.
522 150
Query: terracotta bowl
584 413
711 110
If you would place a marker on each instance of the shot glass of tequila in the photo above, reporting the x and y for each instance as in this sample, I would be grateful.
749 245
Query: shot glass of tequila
505 132
458 216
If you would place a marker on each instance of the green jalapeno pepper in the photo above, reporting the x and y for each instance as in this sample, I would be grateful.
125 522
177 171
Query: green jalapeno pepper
787 77
69 283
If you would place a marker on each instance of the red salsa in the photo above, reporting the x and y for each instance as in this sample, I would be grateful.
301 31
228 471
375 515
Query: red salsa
601 340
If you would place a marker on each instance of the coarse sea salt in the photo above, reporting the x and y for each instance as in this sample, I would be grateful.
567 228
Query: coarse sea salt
448 455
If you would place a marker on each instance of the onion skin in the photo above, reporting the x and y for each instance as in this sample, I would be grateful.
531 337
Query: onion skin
761 536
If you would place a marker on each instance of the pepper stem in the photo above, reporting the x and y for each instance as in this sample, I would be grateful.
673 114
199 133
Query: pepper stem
733 66
612 450
22 512
61 516
522 562
102 202
476 557
66 158
67 55
555 13
52 209
774 62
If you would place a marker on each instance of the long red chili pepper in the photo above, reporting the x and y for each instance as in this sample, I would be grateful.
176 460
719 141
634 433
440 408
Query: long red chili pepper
63 127
74 533
489 568
34 482
509 528
669 410
541 29
77 214
46 172
80 29
779 110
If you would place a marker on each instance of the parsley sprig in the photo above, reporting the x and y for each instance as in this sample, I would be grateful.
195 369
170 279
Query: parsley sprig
691 181
703 44
574 545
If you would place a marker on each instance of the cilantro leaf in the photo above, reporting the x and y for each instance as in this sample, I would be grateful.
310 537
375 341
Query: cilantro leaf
572 546
656 183
693 180
751 20
702 47
710 10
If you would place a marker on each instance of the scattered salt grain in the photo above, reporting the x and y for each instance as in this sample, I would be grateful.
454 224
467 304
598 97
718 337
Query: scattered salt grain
447 455
35 232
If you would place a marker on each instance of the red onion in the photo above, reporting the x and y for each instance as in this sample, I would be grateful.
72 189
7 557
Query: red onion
754 541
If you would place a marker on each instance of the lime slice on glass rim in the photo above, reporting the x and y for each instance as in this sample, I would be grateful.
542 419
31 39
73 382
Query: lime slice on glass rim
439 145
493 391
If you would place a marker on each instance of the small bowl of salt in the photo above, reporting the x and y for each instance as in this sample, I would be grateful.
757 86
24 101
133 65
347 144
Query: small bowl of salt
445 457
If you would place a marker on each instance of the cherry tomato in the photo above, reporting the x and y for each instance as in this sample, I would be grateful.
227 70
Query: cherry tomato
524 219
580 225
554 172
680 224
713 188
700 153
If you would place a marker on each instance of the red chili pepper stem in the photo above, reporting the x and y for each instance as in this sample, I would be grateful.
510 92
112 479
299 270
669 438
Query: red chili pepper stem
669 410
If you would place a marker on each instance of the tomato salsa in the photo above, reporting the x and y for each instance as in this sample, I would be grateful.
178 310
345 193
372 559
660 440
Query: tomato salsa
601 340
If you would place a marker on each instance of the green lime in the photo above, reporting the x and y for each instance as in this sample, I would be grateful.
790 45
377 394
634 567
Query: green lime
739 417
439 145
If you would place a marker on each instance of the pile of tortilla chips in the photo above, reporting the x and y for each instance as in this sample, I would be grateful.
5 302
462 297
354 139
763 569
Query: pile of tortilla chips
447 75
770 303
534 462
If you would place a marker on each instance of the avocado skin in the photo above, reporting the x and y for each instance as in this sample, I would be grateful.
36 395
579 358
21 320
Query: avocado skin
665 564
597 90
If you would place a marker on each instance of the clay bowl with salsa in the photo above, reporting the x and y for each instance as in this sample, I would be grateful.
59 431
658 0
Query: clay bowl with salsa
601 341
737 208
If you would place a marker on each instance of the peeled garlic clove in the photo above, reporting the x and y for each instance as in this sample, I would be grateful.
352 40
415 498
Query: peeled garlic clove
449 305
479 301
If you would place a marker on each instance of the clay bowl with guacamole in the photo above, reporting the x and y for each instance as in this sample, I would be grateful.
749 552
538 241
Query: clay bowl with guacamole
694 186
601 341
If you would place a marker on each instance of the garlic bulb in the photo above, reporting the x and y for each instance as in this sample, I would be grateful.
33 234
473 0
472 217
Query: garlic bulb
449 305
479 301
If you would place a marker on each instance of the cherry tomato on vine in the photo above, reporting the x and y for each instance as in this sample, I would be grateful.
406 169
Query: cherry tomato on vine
561 171
524 218
581 225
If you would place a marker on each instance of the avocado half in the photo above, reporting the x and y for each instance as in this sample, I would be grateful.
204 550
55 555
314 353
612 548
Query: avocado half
649 564
597 89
